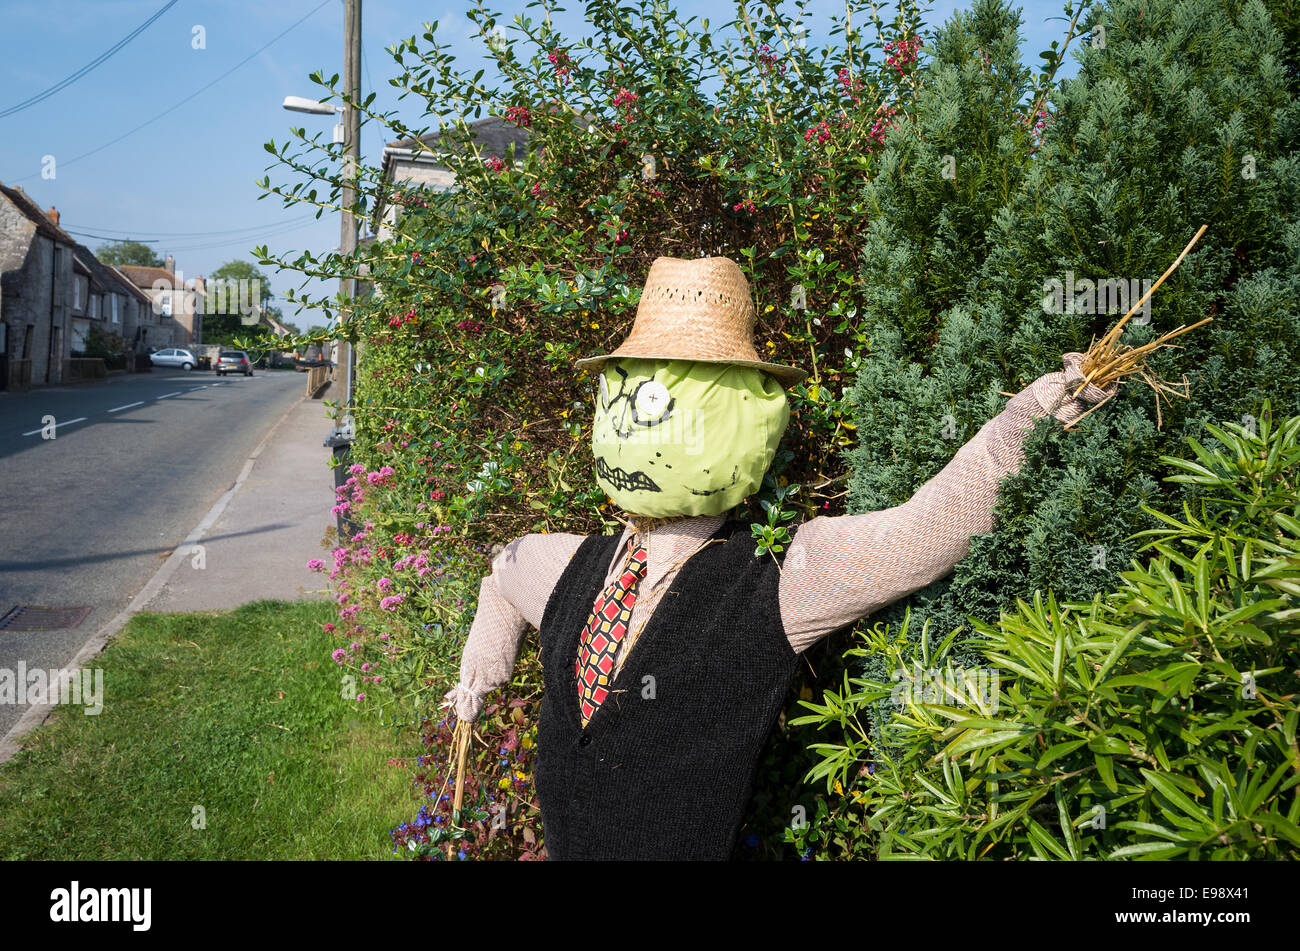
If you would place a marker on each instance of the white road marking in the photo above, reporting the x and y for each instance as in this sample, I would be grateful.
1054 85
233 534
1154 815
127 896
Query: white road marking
65 422
116 409
166 395
193 388
36 714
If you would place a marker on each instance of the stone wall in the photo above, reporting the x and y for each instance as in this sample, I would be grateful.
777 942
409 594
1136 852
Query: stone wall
37 298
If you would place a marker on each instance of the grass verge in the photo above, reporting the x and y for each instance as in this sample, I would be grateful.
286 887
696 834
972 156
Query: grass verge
235 717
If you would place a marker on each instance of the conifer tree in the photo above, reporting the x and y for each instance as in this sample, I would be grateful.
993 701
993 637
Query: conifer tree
1182 113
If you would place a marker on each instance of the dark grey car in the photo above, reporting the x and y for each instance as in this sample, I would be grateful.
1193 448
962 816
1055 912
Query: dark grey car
233 361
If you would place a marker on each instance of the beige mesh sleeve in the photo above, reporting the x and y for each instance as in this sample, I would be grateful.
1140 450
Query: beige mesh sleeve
839 569
511 598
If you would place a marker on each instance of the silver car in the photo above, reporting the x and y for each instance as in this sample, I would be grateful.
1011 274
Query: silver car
234 361
174 357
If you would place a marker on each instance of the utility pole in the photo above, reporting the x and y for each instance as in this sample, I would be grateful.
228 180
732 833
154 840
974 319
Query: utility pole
351 163
340 440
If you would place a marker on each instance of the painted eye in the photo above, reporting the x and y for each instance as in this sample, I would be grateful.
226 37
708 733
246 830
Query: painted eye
604 391
651 400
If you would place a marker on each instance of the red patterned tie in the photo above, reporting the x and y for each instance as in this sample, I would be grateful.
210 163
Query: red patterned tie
603 634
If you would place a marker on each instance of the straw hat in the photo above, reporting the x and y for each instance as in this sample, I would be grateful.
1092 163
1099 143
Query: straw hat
695 309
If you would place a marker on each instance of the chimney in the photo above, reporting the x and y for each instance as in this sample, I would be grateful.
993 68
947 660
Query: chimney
170 264
53 215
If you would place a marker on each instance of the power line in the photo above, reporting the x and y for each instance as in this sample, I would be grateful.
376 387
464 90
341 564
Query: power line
196 92
101 237
129 235
233 241
103 57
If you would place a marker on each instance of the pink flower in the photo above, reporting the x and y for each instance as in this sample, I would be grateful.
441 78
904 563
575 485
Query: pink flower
392 602
821 130
315 565
560 62
769 61
329 628
383 584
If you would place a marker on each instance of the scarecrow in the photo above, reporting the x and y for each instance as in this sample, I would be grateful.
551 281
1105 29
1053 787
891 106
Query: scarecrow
668 650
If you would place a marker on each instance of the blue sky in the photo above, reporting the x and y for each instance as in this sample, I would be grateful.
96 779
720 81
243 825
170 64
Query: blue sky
192 173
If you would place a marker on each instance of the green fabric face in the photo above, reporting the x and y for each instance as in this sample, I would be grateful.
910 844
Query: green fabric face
678 437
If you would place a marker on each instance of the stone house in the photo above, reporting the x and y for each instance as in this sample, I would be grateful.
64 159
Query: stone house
140 325
36 291
422 163
175 302
98 297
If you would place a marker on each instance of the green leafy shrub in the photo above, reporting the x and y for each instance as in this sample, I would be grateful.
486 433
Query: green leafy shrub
1156 721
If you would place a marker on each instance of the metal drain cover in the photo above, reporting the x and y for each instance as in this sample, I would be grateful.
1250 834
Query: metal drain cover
34 617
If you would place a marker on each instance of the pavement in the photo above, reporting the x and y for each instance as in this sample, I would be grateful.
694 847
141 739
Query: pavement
141 470
275 521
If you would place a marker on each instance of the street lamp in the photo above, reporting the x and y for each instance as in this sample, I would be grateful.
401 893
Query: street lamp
312 107
303 104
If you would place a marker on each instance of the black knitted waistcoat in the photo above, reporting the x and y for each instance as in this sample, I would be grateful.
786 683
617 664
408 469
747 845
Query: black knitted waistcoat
665 767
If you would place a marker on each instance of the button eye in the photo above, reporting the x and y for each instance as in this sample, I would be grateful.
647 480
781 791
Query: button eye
651 400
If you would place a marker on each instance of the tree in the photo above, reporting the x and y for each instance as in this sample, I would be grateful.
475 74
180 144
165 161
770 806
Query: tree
233 295
132 253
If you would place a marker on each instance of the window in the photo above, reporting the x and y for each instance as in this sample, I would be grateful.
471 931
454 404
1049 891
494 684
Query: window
166 302
114 299
76 293
94 307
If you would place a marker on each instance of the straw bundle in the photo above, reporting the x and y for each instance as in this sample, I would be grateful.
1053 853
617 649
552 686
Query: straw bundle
1108 361
460 738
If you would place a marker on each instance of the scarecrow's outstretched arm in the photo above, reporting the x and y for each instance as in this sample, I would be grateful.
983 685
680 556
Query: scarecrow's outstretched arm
840 569
510 599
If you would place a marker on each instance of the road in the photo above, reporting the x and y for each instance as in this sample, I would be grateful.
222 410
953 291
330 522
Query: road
88 516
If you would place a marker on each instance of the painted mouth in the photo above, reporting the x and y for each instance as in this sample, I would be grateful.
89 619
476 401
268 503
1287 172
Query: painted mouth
625 481
734 473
